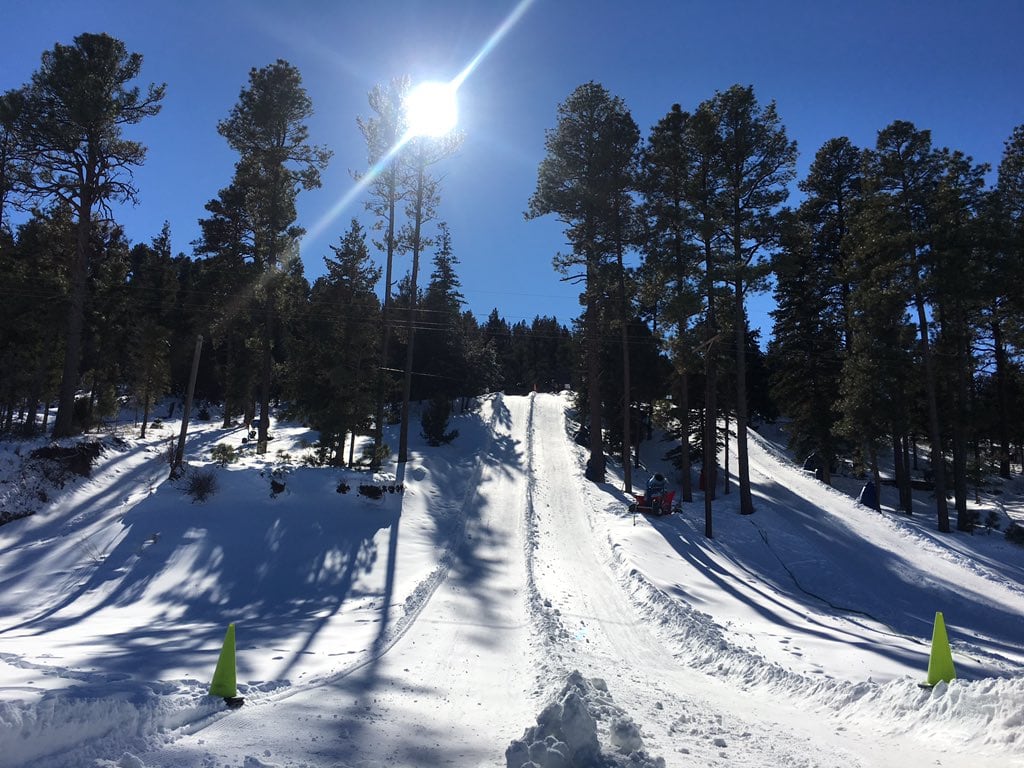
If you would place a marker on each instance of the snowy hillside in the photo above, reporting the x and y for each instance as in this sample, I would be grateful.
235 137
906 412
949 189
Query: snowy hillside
490 608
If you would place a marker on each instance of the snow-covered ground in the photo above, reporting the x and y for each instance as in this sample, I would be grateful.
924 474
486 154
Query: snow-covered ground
499 610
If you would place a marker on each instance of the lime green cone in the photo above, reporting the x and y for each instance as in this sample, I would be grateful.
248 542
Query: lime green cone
940 663
224 683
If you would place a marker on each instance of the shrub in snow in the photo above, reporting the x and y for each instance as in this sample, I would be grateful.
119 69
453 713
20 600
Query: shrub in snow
224 454
1015 534
76 459
374 491
435 421
201 485
379 457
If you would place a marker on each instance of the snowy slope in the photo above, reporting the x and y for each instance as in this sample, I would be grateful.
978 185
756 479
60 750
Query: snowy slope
437 625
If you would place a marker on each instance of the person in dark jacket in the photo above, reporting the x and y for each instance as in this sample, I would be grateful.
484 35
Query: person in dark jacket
655 488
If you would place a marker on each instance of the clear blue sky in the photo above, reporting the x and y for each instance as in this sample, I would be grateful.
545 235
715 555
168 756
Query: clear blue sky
834 68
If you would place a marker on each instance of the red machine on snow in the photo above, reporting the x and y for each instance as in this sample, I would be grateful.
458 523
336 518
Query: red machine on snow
654 505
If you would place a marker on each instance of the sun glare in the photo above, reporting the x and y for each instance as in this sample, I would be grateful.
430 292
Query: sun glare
431 109
444 93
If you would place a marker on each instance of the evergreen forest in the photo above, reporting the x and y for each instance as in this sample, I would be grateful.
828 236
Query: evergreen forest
895 272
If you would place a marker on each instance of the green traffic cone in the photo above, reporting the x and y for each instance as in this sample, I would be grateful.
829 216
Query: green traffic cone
940 663
224 683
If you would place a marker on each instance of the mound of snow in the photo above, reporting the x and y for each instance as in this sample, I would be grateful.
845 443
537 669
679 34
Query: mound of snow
581 727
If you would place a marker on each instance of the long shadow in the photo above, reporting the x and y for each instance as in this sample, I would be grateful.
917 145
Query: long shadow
803 557
457 532
764 599
83 501
311 567
284 575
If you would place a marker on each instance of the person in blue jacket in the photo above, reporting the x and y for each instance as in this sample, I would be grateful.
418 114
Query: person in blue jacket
655 489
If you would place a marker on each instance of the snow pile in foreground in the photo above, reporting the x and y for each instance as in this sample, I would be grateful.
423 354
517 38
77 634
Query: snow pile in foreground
571 729
79 725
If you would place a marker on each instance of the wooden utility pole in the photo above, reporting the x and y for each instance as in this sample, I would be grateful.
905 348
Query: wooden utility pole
179 452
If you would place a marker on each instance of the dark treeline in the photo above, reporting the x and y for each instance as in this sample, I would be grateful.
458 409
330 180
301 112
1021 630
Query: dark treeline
898 315
896 281
90 322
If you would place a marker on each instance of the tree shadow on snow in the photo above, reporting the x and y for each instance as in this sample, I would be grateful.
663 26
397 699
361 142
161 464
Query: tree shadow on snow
273 567
792 556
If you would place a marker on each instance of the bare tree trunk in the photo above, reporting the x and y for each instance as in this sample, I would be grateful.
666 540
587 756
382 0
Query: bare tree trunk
725 448
266 370
901 472
1002 423
964 522
627 442
595 471
229 404
145 411
385 377
596 463
875 476
710 413
934 430
63 423
746 499
403 435
684 424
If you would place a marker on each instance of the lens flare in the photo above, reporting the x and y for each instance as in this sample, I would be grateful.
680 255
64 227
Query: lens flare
452 88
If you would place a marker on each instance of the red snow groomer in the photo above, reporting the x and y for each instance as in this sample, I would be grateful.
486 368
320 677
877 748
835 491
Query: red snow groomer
654 504
656 500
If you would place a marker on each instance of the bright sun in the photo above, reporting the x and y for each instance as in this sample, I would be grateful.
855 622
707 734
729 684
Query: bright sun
431 109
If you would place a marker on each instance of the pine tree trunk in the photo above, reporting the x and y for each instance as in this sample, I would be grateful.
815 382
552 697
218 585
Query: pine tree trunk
596 463
907 441
684 422
963 519
35 396
228 399
901 472
403 436
63 423
263 426
725 447
746 499
875 476
627 442
938 462
1002 423
898 470
385 378
145 412
710 460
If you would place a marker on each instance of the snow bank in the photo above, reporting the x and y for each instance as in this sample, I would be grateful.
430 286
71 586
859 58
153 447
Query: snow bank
582 727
